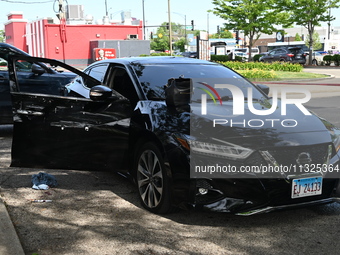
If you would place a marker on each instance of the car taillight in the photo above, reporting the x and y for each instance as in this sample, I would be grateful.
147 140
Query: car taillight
290 55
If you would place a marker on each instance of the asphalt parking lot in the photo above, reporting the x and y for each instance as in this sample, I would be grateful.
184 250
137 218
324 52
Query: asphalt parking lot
95 212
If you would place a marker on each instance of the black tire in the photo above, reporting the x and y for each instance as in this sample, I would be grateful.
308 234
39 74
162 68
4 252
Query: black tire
314 62
153 183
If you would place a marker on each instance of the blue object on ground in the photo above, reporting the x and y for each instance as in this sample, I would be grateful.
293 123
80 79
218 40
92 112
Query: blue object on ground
43 179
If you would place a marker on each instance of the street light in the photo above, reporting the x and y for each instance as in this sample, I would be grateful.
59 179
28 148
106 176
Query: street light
208 24
185 25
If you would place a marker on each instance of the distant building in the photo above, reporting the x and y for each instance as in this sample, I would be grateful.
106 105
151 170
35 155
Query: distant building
76 41
329 38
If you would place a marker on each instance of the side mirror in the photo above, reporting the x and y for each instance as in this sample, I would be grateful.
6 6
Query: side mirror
263 88
36 69
100 92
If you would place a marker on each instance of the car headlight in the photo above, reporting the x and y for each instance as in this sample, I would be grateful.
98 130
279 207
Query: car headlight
226 150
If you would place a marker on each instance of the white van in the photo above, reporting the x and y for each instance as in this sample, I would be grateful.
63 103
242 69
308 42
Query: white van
254 51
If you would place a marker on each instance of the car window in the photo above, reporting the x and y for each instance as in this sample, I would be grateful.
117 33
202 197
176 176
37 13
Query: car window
3 65
21 66
241 50
296 51
154 77
121 82
97 72
52 83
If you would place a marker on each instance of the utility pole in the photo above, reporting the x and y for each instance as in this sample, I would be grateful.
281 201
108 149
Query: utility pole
144 21
329 24
170 29
106 11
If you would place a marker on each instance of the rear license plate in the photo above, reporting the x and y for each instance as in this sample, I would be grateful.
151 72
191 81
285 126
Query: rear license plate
306 187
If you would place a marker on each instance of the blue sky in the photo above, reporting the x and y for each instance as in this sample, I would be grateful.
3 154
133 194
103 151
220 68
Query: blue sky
156 11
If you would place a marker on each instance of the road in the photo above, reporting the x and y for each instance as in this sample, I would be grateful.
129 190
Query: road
98 213
326 107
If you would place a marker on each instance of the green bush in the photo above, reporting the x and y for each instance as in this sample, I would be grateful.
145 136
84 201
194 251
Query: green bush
257 74
276 66
221 58
256 58
328 60
225 58
336 59
160 54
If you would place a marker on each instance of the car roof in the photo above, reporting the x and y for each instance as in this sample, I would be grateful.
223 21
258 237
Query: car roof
156 60
294 48
8 47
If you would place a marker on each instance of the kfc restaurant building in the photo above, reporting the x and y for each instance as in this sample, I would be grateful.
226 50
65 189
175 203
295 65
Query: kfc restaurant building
75 44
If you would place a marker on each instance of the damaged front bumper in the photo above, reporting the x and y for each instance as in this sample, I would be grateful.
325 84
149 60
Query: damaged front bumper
265 196
283 207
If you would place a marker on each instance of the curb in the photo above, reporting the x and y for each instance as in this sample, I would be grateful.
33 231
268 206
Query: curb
9 240
296 80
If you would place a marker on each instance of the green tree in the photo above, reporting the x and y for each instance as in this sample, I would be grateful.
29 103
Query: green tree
2 36
309 14
161 42
316 41
253 17
298 37
180 44
222 34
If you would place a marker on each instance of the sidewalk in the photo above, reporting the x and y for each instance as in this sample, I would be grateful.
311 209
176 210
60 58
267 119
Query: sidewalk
334 70
321 87
9 241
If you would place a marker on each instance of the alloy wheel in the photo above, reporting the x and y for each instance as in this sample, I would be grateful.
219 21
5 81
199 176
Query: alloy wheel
150 178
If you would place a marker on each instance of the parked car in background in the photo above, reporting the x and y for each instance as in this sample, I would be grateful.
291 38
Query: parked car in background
142 118
189 54
36 77
317 58
254 51
291 54
323 52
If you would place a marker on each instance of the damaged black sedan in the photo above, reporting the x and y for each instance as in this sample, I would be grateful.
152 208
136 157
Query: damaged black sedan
190 133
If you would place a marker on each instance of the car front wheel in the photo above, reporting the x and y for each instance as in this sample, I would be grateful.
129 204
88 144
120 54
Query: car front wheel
152 181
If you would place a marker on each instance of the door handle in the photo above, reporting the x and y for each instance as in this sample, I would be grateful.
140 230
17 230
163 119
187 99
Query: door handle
28 112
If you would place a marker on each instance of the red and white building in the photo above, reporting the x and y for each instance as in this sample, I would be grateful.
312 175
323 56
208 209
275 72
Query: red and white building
75 44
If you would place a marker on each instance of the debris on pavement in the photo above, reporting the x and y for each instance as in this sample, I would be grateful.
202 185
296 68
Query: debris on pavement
41 201
43 181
